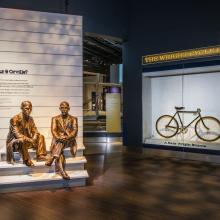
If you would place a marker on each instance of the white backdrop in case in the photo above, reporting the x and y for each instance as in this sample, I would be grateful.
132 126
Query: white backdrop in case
40 61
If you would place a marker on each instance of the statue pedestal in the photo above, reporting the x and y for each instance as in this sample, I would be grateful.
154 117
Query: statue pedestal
19 177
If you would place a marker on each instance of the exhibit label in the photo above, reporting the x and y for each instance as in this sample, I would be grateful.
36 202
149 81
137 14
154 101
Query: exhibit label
184 144
181 55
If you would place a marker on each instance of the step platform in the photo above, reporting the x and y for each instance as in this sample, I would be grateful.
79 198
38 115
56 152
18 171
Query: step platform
19 177
41 181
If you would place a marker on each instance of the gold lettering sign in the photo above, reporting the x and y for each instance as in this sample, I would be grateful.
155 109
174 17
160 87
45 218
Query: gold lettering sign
181 55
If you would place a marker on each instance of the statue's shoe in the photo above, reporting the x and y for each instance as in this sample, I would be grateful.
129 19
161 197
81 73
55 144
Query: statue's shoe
64 175
41 158
12 162
29 163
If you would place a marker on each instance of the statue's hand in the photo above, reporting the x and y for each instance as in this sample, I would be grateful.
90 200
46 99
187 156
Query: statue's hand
32 141
63 138
28 140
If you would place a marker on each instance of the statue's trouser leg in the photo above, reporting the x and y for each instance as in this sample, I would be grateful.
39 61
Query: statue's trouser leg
73 150
41 146
57 154
23 148
60 167
60 163
9 150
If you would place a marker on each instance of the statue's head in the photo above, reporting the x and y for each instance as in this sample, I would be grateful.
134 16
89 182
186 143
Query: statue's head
64 108
26 107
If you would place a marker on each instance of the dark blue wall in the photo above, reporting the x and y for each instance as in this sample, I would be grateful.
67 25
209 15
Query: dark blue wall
161 26
101 17
105 17
56 6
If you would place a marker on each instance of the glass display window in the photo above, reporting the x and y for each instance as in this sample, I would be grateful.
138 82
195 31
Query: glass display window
181 107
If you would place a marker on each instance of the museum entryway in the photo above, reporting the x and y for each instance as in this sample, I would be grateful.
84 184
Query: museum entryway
102 88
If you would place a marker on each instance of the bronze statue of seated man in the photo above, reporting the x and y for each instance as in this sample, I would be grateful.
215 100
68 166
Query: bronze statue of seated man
23 134
64 129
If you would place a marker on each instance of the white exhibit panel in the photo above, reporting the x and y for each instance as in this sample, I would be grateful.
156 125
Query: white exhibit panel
40 61
197 125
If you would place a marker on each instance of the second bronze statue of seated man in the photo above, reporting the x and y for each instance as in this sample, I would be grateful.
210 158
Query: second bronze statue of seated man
23 134
64 128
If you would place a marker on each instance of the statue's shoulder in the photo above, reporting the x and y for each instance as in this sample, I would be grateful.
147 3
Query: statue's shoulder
16 118
73 117
56 117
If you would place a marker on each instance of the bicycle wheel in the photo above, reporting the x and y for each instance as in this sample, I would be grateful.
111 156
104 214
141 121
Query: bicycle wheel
167 126
208 128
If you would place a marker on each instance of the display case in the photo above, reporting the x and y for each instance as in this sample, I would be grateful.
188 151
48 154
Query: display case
181 108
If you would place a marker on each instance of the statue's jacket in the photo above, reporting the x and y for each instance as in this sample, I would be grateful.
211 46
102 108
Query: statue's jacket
20 128
60 128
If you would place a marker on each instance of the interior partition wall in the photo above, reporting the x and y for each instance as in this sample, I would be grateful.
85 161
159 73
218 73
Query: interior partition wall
40 61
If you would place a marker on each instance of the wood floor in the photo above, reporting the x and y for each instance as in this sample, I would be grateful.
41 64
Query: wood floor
125 185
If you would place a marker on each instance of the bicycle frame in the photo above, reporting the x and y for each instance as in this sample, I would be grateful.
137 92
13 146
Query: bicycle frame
181 122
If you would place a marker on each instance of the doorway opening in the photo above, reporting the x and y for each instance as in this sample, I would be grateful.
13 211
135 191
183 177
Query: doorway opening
102 86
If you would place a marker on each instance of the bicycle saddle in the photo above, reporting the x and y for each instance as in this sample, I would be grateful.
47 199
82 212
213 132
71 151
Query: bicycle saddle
179 108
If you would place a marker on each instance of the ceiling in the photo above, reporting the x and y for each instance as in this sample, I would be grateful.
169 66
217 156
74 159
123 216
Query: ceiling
99 52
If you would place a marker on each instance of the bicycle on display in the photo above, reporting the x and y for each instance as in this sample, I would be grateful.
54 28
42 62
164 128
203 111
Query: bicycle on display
207 128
